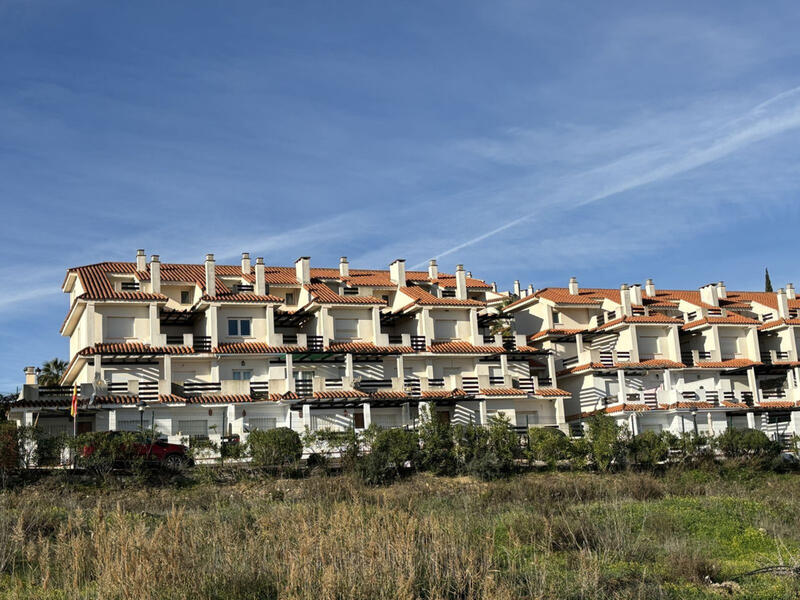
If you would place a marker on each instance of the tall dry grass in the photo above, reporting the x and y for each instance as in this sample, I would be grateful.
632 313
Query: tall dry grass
538 536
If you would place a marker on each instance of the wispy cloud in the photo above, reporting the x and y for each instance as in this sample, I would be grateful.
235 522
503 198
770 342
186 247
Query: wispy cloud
777 115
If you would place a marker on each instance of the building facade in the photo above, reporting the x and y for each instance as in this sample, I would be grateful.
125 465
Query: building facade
210 350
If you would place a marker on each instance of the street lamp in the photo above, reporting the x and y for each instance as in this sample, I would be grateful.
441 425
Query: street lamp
694 419
141 405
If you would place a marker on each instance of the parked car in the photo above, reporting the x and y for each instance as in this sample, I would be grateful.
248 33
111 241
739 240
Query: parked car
152 450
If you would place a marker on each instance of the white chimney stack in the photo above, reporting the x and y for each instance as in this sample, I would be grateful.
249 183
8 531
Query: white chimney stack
722 291
650 288
30 376
245 263
573 286
625 299
461 283
397 271
708 294
783 304
260 286
211 275
344 267
530 289
302 269
433 269
141 260
636 294
790 291
516 288
155 274
494 287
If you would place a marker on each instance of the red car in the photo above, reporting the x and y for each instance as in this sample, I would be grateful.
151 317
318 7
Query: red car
171 456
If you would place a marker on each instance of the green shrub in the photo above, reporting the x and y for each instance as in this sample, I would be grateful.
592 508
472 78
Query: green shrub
9 451
738 443
605 442
99 452
547 445
277 448
471 442
580 450
393 454
649 448
495 455
437 448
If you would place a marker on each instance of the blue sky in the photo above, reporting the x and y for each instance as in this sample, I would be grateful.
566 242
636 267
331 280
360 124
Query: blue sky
531 140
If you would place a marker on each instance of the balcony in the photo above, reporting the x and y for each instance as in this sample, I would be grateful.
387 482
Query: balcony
202 343
769 357
418 343
692 357
315 343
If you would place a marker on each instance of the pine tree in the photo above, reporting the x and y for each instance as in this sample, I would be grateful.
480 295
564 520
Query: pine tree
767 282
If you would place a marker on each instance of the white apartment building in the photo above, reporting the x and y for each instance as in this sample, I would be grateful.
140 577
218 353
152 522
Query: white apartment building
209 350
675 360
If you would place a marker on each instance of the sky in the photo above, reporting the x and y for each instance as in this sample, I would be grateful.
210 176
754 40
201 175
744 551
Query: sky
613 142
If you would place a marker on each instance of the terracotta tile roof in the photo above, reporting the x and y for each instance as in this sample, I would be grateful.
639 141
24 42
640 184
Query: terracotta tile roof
656 318
424 298
777 404
584 295
221 399
683 404
322 294
654 363
368 348
729 404
243 297
584 367
444 394
284 396
388 395
331 394
734 363
550 391
778 323
634 407
97 286
463 348
171 399
503 392
731 319
447 281
556 332
526 349
255 348
134 348
121 399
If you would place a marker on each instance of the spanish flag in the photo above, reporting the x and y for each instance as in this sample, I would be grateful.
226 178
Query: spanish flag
73 409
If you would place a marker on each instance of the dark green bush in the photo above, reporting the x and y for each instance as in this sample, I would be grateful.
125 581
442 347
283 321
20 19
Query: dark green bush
739 443
278 448
393 454
437 448
605 442
650 448
497 450
548 445
9 451
99 452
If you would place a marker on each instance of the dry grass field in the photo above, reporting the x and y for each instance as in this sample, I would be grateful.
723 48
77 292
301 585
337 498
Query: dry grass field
541 535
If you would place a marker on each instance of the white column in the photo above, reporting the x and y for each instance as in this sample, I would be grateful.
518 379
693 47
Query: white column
634 424
401 371
367 415
634 344
426 324
561 416
428 368
504 364
307 415
795 422
710 421
674 344
212 326
753 384
97 367
165 386
475 339
551 369
322 325
751 420
92 336
484 418
667 379
112 420
289 373
376 325
716 353
579 347
270 322
348 367
406 413
155 326
621 393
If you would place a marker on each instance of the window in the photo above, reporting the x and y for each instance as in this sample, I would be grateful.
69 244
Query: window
779 417
191 427
358 420
261 423
444 329
526 418
556 317
239 327
448 293
350 291
345 329
119 328
289 298
128 425
242 374
185 297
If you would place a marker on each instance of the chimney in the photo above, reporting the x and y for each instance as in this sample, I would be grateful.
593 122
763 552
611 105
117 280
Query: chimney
433 269
155 274
783 304
722 292
302 268
530 289
516 288
708 294
141 260
636 294
494 287
461 283
573 286
245 263
790 291
469 274
397 271
344 267
211 276
260 286
650 288
30 376
625 299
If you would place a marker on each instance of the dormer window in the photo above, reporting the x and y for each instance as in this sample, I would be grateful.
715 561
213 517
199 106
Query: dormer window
185 297
289 298
350 291
556 317
129 286
766 317
448 293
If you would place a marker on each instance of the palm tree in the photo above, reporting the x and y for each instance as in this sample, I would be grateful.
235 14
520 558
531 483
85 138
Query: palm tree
52 371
